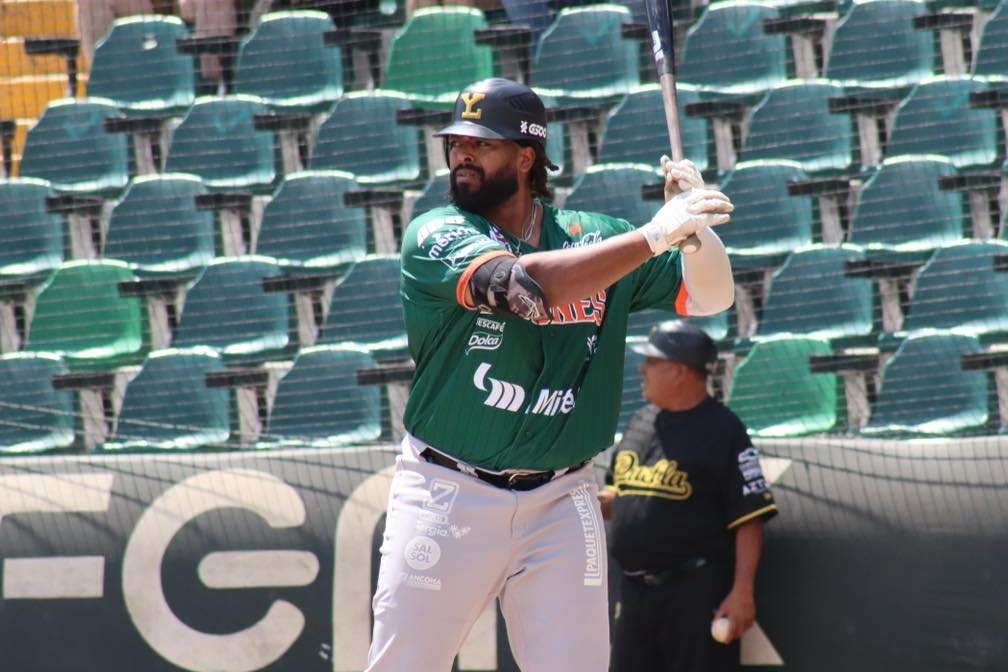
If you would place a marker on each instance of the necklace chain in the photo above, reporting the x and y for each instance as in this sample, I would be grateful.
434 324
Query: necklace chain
531 224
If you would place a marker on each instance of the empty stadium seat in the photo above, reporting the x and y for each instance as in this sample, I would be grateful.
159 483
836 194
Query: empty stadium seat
34 417
925 392
158 229
138 68
632 396
434 194
319 404
81 315
218 141
227 310
31 239
776 395
366 310
285 62
991 58
615 189
435 55
70 148
168 405
639 322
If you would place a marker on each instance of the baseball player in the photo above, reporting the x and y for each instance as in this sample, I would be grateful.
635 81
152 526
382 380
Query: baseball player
687 500
516 314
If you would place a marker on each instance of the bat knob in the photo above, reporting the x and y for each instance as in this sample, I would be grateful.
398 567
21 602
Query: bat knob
690 245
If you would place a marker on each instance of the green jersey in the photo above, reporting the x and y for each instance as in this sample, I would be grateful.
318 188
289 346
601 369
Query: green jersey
501 392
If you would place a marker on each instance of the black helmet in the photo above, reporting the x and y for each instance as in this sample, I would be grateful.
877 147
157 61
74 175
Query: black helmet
681 342
500 109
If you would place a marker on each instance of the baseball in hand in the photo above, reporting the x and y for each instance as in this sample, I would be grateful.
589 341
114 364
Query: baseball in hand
720 630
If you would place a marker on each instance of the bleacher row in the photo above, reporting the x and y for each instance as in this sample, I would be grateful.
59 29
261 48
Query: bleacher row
155 240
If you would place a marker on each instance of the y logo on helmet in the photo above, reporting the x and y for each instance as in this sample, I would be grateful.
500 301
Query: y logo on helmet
470 100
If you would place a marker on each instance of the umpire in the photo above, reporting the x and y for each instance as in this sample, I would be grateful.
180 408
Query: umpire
687 501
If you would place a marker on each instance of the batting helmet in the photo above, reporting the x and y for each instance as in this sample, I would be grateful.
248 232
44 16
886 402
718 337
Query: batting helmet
500 109
681 342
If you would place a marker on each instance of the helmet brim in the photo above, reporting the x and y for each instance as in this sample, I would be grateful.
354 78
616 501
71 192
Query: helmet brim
468 128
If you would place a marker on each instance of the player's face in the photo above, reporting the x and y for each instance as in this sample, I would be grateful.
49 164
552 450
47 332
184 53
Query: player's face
660 378
483 172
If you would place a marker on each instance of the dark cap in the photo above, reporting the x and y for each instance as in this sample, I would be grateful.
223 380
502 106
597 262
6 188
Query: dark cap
681 342
500 109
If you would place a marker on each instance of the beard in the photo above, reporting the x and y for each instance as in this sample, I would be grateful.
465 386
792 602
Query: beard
491 192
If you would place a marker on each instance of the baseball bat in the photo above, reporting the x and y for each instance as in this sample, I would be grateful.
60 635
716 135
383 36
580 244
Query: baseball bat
663 48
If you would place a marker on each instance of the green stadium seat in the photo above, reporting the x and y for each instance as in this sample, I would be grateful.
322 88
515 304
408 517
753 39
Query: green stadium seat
959 289
435 55
776 395
31 239
924 391
810 295
937 118
362 137
615 189
70 148
285 62
874 49
434 194
80 315
767 224
991 58
727 54
640 322
366 311
34 417
793 122
158 229
583 57
901 215
319 404
307 228
138 68
632 397
168 405
636 132
227 309
217 140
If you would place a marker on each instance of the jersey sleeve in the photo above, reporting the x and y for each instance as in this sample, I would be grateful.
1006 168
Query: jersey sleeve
438 250
747 494
659 284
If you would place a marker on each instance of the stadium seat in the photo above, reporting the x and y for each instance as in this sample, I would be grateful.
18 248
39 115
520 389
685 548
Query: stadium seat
319 404
632 397
937 118
31 239
217 141
839 310
34 417
636 132
959 289
615 189
366 311
584 58
285 62
362 137
80 315
793 122
434 194
875 50
728 55
639 323
307 228
767 223
924 391
70 148
435 55
138 68
227 310
776 395
901 215
168 405
991 58
157 228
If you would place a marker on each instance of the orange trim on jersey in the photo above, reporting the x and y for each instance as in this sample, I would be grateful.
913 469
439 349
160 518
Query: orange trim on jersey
755 514
462 286
681 299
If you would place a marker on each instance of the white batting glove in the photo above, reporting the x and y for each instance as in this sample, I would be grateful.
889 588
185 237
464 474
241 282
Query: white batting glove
680 176
683 216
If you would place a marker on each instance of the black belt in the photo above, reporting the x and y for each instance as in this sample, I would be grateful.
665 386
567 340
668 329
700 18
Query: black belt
507 480
658 578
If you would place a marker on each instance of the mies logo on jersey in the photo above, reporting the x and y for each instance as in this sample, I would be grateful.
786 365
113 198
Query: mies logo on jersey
510 397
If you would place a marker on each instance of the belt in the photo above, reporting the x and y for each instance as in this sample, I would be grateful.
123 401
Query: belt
506 480
660 577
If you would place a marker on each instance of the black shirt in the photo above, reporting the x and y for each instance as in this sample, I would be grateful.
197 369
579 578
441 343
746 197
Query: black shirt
684 481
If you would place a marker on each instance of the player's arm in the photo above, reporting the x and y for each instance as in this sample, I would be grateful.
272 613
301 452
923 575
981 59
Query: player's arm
740 604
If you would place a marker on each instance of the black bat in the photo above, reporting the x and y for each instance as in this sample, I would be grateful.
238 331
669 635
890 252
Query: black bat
663 48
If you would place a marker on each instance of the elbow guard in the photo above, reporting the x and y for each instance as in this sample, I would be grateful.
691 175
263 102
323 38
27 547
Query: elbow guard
501 285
